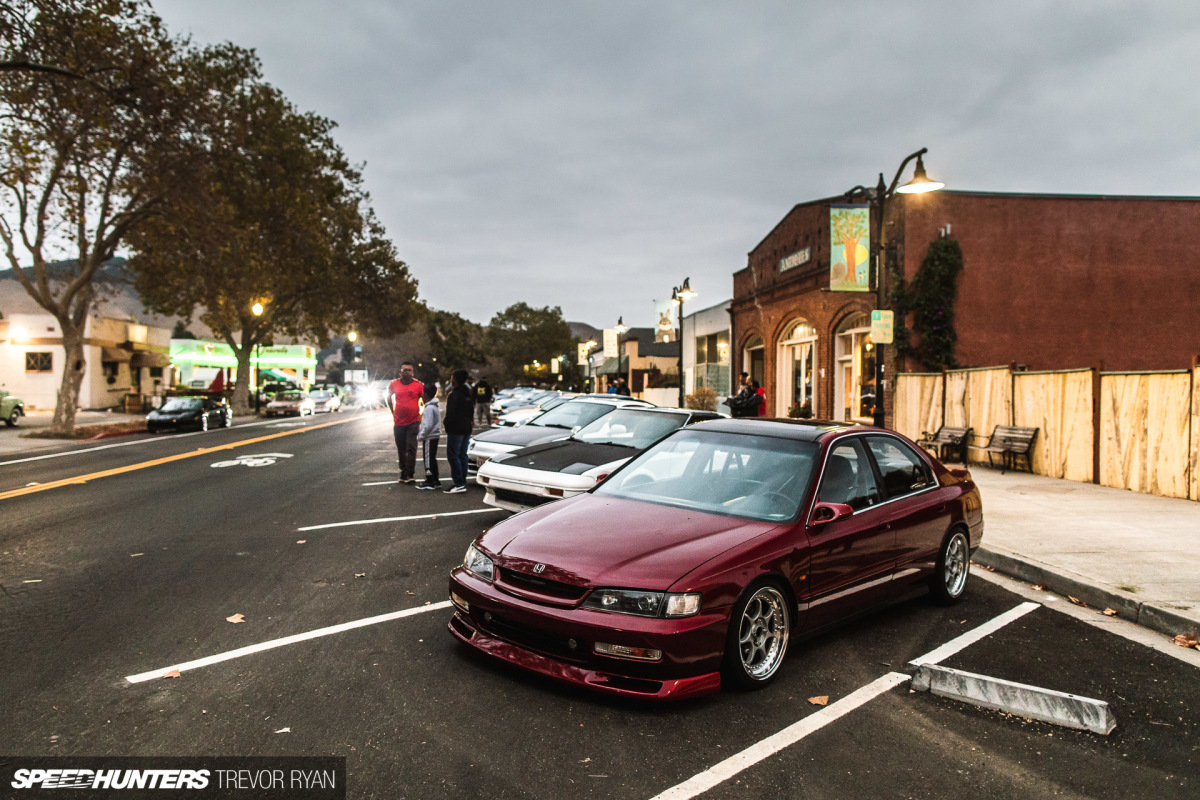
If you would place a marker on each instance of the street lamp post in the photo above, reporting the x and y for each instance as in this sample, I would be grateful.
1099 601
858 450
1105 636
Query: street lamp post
678 295
878 198
257 309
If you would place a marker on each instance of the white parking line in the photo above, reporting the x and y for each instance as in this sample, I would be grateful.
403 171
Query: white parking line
299 637
723 771
974 635
397 519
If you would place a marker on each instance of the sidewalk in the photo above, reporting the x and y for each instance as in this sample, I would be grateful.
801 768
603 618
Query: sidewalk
13 440
1110 548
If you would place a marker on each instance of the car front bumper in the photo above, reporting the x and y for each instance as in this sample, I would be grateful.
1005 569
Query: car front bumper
538 638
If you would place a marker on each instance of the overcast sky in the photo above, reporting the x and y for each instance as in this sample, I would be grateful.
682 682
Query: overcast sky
591 155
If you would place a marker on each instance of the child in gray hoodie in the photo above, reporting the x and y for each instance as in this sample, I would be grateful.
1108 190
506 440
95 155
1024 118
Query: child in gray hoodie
429 435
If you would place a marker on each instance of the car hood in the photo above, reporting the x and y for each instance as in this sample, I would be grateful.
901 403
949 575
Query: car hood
522 436
595 541
557 456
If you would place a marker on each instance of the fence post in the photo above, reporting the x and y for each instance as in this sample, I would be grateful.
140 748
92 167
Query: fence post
1096 422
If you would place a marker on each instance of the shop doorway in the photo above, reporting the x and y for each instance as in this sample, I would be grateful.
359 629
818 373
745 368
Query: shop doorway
797 359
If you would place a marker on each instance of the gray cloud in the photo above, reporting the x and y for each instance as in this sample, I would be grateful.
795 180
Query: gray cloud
591 155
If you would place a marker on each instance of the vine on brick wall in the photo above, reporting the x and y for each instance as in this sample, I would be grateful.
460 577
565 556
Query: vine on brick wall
930 299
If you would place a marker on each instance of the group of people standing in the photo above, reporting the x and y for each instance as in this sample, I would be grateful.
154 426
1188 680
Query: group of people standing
750 401
418 422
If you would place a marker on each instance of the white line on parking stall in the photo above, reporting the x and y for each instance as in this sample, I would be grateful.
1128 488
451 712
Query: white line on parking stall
397 519
299 637
723 771
974 635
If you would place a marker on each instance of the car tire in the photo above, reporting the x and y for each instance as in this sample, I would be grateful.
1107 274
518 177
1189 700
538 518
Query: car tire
13 418
949 581
756 642
228 421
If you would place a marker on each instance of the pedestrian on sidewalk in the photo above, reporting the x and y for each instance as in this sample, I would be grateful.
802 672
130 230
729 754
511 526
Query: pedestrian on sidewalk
429 435
622 387
745 402
404 399
761 394
483 402
460 409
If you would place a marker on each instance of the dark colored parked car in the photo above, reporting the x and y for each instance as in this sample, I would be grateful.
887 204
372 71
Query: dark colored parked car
200 413
694 564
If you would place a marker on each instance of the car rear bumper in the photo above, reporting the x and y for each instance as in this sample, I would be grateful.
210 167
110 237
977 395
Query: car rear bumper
525 635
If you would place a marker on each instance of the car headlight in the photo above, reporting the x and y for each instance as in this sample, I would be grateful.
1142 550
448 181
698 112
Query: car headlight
644 604
476 562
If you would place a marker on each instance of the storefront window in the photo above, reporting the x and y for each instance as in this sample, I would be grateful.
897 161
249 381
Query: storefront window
855 374
797 367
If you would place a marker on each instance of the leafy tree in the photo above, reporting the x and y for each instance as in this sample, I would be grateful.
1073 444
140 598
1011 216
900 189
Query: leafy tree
278 218
101 125
456 342
930 299
521 334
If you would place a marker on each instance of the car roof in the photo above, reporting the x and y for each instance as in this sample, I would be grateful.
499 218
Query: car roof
809 430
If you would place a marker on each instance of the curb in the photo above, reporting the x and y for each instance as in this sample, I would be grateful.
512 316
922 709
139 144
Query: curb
1047 705
1148 615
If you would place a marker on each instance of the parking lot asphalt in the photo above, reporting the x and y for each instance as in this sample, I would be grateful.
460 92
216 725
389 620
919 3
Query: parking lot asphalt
137 572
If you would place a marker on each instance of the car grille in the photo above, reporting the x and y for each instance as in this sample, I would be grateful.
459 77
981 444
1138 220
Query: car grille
522 498
534 639
531 584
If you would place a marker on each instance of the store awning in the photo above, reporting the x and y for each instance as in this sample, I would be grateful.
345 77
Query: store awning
614 366
145 358
114 354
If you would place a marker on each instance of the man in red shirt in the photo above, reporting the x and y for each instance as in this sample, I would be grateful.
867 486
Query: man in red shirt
404 399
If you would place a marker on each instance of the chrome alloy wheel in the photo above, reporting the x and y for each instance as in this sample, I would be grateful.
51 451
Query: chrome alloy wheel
955 565
763 633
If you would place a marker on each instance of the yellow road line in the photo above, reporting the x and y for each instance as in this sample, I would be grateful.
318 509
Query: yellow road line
41 487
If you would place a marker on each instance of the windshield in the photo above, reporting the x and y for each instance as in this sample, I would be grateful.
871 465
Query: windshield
757 477
291 396
572 415
320 395
631 428
180 404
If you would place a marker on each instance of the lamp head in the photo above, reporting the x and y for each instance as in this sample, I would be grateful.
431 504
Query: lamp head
920 182
620 327
685 292
257 309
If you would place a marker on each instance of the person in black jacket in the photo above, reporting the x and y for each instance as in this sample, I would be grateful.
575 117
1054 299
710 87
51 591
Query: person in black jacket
460 412
744 403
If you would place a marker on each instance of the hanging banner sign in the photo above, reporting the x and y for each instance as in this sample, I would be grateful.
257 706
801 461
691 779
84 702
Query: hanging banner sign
850 247
611 348
882 327
582 358
554 365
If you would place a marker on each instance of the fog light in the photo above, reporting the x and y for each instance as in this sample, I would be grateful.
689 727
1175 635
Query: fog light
624 651
487 616
458 601
571 643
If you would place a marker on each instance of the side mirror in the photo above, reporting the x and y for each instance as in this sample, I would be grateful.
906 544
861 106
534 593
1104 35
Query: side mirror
824 513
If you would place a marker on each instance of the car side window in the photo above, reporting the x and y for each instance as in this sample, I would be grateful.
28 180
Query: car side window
848 477
902 469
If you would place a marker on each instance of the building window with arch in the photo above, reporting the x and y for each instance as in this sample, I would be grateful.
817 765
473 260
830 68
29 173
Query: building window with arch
797 359
754 358
854 374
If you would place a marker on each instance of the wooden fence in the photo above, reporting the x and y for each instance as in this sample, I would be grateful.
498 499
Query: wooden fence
1132 430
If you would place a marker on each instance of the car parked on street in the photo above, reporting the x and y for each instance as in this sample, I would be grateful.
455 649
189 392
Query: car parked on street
558 423
291 402
552 471
12 408
695 564
325 401
179 413
522 414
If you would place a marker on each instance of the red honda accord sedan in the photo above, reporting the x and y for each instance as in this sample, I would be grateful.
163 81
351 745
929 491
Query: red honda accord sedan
693 565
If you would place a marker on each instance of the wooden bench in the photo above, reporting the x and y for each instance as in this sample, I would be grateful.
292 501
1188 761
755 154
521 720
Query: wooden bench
946 442
1011 442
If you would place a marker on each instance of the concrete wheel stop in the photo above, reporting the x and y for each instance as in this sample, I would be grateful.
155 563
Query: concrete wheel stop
1019 699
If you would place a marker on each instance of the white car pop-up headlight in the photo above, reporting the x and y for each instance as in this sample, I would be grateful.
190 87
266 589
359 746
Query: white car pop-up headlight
476 562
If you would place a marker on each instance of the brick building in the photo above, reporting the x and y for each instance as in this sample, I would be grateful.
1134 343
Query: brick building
1048 282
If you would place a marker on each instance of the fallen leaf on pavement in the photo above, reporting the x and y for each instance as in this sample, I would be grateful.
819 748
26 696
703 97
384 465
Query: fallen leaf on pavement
1110 612
822 700
414 594
301 541
1037 587
360 574
135 555
172 674
1185 640
584 761
1077 601
235 619
284 730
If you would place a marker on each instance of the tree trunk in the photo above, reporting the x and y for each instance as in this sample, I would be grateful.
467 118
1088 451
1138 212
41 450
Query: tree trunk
74 368
241 386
